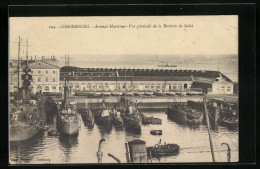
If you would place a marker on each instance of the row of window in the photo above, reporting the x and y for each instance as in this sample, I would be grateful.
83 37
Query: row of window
135 86
113 84
89 74
46 72
39 88
46 79
13 79
46 88
222 89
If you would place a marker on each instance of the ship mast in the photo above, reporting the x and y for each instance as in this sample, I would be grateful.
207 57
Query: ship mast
133 86
65 89
132 81
18 67
125 81
66 82
26 77
208 124
27 53
125 86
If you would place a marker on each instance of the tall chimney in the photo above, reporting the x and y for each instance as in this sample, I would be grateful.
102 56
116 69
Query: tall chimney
35 57
42 58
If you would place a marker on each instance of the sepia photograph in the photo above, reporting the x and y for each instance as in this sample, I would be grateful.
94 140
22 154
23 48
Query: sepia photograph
123 89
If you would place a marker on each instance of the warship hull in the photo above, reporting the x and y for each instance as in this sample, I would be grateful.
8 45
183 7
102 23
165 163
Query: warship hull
117 121
24 133
103 120
88 118
177 115
27 124
131 122
69 128
184 116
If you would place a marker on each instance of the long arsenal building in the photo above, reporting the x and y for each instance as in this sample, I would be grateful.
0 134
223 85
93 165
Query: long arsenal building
104 79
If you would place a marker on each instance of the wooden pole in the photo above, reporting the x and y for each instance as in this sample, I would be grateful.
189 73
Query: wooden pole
127 153
207 118
151 157
18 67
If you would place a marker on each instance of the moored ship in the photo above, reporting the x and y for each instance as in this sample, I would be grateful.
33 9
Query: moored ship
68 120
131 116
88 117
26 120
27 116
185 114
104 115
228 114
117 119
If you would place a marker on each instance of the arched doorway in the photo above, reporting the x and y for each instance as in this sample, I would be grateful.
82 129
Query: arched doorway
54 88
46 88
185 86
39 89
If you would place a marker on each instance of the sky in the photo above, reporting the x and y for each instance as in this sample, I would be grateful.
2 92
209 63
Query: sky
209 35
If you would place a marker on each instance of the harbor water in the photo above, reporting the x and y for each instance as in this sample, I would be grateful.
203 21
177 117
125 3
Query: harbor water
82 148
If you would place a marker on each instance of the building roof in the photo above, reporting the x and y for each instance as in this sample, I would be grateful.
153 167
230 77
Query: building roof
41 65
211 80
35 64
139 74
127 78
204 80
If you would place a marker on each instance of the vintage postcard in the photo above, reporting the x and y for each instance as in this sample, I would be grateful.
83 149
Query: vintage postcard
123 89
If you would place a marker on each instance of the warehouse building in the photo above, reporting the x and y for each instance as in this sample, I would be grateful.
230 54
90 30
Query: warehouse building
217 85
104 79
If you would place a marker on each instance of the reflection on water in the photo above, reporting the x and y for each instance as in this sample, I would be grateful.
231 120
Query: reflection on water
68 143
105 129
82 148
129 131
23 152
185 125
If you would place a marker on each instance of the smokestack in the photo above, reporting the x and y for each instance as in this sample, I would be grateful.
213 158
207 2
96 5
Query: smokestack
42 58
31 57
35 57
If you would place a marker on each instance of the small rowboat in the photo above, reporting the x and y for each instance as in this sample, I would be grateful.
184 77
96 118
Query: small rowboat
151 120
156 132
230 124
53 133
